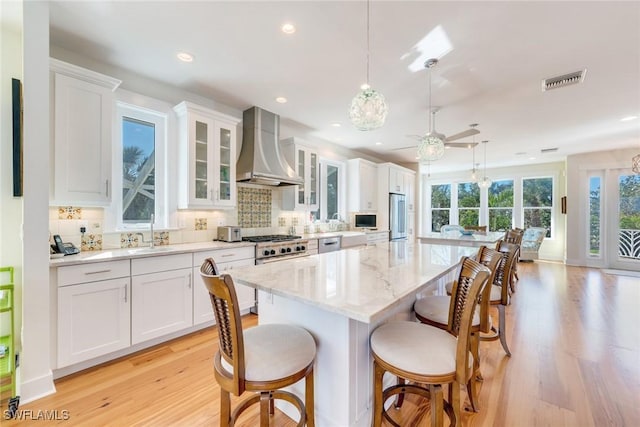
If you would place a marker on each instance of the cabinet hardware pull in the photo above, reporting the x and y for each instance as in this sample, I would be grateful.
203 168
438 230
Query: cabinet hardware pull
125 293
106 190
189 275
97 272
226 255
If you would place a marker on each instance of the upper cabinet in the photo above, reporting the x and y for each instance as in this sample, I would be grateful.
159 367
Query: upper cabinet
396 180
207 159
362 182
304 160
83 111
410 189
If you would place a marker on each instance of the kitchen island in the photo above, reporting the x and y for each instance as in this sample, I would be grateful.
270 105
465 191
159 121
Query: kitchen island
340 297
476 239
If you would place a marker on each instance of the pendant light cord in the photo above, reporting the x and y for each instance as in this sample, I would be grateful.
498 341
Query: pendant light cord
368 47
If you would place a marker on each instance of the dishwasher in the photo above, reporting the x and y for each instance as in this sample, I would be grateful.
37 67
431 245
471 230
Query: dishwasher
328 244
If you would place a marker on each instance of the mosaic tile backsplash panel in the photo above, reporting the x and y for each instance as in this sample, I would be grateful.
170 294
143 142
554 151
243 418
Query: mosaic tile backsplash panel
254 207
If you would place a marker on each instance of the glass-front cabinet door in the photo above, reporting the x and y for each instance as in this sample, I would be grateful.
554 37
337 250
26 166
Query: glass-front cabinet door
302 173
226 158
207 158
313 179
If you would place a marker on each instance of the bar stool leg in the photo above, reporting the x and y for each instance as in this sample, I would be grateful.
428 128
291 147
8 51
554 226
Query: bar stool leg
309 399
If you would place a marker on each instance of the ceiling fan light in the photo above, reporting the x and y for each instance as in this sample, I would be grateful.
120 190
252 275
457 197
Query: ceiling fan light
430 148
368 110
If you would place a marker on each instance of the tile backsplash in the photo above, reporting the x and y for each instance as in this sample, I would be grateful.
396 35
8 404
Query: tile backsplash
258 212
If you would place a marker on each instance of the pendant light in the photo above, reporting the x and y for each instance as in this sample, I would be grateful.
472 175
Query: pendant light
368 108
431 146
635 164
474 175
485 182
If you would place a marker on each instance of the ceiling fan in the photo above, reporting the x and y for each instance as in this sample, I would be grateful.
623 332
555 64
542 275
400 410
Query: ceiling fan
431 146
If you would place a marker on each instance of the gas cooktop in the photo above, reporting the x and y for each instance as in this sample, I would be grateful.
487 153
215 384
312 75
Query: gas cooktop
270 238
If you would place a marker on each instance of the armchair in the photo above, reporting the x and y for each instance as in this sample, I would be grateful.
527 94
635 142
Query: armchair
531 241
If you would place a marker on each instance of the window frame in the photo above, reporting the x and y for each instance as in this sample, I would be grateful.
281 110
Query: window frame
587 211
478 209
149 110
512 207
452 186
551 208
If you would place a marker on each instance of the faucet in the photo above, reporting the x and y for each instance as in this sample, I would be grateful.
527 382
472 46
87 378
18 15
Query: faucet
151 241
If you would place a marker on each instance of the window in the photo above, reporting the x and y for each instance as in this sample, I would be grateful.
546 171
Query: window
440 205
468 204
139 171
500 195
594 215
537 201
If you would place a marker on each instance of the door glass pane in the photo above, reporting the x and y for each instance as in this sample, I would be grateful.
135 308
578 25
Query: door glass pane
313 178
332 191
629 217
202 147
138 170
594 215
301 174
225 147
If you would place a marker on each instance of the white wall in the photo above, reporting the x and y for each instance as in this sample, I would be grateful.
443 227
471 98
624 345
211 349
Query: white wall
552 248
579 167
11 211
37 379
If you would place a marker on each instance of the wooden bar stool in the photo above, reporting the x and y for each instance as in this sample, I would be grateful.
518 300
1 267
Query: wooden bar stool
261 360
429 357
434 310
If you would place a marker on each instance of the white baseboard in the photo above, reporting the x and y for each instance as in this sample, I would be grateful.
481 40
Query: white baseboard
37 388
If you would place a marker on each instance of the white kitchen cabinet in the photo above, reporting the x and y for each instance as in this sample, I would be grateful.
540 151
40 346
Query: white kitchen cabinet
83 111
396 180
411 227
304 160
409 190
207 158
374 237
93 317
362 185
162 301
226 260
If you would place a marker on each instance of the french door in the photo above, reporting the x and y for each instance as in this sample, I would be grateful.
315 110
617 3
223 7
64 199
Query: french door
623 240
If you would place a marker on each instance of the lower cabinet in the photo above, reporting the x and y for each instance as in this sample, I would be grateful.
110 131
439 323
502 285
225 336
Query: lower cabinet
374 237
226 260
161 301
93 319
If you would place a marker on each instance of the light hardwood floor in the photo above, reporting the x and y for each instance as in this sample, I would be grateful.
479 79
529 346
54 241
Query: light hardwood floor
574 334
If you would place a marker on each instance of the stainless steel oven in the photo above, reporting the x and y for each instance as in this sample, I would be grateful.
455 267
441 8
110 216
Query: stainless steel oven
278 247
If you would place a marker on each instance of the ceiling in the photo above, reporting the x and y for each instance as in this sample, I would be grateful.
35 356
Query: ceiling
492 75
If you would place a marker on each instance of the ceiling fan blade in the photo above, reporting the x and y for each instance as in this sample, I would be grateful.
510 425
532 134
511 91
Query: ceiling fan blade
460 144
463 134
404 148
416 137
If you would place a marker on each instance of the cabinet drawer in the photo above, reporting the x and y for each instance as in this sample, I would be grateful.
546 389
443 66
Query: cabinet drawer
160 263
74 274
313 244
224 255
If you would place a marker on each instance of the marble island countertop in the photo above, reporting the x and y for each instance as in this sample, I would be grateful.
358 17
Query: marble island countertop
341 233
360 283
139 252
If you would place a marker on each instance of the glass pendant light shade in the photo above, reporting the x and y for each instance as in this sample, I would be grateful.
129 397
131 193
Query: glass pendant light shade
368 110
430 148
635 164
485 182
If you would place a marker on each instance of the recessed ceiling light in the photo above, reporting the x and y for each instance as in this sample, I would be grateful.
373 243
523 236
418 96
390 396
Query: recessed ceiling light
281 100
628 118
288 28
336 125
378 143
532 158
185 57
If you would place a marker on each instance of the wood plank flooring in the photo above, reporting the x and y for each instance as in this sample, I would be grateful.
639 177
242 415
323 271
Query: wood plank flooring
574 334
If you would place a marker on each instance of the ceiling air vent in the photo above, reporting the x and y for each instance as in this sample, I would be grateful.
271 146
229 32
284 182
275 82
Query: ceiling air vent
564 80
548 150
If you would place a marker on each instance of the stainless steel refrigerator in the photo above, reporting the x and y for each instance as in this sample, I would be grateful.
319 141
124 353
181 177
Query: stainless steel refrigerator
397 217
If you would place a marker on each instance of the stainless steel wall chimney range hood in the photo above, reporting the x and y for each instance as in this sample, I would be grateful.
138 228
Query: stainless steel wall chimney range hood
260 160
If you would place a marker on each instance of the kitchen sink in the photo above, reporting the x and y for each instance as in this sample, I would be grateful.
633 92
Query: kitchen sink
153 250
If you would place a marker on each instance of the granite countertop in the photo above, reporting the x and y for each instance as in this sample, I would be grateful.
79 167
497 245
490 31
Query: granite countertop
359 283
128 253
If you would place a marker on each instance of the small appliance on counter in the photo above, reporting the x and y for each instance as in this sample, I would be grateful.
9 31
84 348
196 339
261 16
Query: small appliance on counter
229 233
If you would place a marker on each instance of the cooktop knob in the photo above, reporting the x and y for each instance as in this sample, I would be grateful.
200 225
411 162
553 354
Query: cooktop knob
297 248
283 250
273 251
266 252
288 249
302 248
